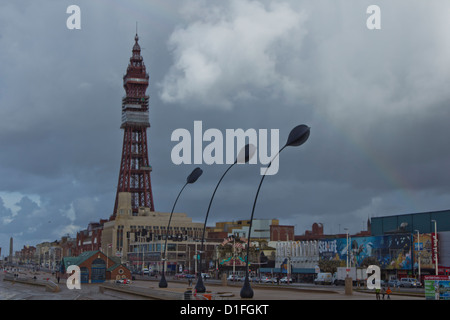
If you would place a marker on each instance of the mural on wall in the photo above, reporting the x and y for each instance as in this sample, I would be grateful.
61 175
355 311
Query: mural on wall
391 251
423 247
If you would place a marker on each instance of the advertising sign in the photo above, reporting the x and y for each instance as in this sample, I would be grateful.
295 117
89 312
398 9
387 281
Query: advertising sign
425 251
437 287
435 239
392 251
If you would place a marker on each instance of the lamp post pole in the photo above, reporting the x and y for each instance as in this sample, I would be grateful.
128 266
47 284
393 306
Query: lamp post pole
346 231
190 179
297 137
244 156
418 251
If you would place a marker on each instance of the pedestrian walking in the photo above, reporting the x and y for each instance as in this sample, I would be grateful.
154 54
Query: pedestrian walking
388 292
377 293
383 292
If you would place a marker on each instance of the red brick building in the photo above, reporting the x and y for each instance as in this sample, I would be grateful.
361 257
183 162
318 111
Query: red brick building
281 233
26 255
91 238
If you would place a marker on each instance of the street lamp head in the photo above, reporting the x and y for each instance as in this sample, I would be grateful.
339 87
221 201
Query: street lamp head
246 153
298 136
195 174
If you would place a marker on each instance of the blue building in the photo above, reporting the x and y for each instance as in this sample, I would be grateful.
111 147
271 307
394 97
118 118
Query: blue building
421 228
423 222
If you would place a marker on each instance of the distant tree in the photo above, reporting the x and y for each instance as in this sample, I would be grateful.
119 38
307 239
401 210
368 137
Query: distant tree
368 261
329 265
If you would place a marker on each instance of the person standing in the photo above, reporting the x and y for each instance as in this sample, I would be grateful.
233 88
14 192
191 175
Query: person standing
388 292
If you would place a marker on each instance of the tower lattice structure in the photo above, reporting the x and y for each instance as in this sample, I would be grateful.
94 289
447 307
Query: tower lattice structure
134 175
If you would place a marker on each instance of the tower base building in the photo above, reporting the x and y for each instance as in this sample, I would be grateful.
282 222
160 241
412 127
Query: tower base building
139 239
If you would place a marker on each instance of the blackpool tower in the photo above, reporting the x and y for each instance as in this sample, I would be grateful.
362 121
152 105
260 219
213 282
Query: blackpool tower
134 175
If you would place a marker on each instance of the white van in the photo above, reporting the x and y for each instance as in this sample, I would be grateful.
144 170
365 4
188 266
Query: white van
323 278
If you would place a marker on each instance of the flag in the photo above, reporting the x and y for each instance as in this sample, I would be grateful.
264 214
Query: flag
284 266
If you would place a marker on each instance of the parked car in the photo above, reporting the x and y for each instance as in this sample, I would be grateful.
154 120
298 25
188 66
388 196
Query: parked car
410 283
123 281
393 283
267 280
232 277
285 280
255 279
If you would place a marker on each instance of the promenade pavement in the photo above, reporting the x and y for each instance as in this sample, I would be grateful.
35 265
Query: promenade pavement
281 292
15 291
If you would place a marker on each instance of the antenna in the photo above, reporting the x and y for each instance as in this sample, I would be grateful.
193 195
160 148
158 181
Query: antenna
136 28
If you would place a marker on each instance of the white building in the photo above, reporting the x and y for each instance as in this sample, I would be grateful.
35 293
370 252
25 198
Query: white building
303 256
260 230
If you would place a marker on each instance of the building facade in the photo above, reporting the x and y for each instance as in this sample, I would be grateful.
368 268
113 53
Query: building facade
139 239
262 229
96 267
398 255
90 238
298 258
27 255
424 222
282 233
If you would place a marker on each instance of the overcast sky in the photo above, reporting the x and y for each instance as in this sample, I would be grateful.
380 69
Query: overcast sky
377 102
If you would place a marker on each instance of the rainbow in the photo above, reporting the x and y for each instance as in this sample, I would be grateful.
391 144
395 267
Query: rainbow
386 170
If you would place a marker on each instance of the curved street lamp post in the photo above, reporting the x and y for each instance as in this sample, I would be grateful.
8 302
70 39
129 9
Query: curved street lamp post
244 156
195 174
297 137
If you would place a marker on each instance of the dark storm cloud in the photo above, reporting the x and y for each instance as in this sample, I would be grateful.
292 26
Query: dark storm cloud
376 101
